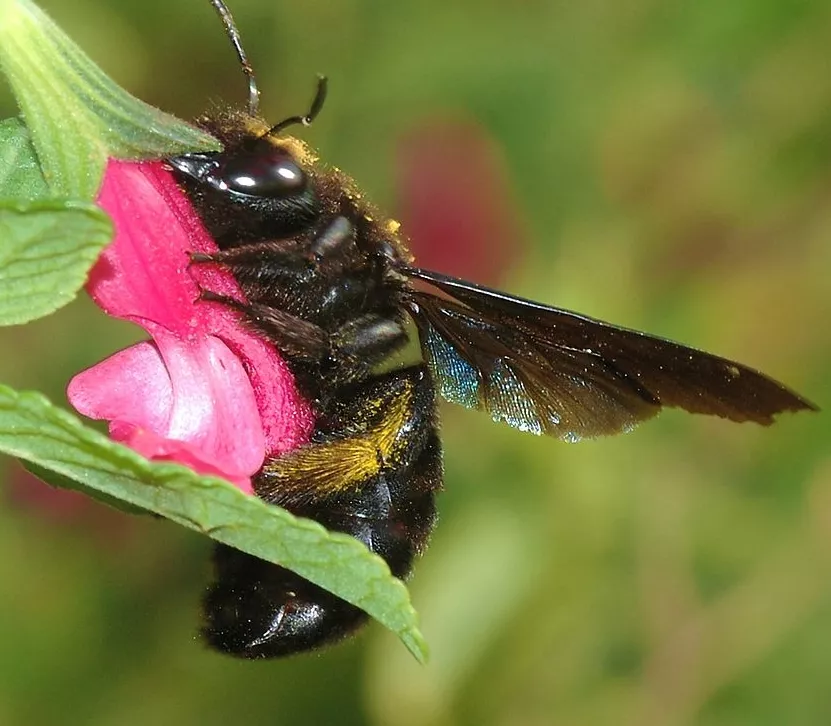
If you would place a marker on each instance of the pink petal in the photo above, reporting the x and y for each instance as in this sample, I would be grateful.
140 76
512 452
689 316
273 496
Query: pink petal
144 272
134 380
207 392
158 448
143 200
176 396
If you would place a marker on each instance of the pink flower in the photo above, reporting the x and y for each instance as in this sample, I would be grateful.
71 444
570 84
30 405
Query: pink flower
206 391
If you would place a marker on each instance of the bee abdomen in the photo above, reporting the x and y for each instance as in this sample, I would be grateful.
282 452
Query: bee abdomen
372 474
394 514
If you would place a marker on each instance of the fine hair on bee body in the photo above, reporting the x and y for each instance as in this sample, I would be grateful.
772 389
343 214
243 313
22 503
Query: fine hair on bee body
329 281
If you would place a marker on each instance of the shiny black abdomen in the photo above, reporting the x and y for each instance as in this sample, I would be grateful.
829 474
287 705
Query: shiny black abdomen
258 610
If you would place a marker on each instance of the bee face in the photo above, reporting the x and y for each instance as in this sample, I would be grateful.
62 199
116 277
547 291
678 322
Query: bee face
258 187
264 172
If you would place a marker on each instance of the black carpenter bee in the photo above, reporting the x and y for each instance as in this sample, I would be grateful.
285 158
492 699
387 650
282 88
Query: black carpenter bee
329 281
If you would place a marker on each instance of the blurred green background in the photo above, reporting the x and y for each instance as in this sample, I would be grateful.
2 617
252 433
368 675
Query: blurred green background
669 168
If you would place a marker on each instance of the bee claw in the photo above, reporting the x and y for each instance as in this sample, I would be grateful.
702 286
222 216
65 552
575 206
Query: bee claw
210 296
200 257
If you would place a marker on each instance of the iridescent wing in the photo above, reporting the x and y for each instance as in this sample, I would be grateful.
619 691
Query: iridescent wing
550 371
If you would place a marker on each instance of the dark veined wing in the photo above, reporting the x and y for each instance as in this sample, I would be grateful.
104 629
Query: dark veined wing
550 371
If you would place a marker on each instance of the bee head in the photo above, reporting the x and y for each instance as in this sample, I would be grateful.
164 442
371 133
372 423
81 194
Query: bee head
260 173
258 170
261 186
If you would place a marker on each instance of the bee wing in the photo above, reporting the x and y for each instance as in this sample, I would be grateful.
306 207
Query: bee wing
547 370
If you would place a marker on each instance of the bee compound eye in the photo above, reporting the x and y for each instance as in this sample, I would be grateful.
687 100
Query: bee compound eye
273 175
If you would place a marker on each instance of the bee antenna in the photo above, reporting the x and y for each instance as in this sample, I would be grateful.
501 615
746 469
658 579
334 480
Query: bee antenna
233 35
311 114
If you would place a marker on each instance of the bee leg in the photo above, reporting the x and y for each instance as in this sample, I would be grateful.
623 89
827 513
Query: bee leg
372 473
333 241
361 344
292 336
283 257
349 353
264 270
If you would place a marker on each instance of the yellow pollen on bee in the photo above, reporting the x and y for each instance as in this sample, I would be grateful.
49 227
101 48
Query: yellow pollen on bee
345 464
297 148
255 126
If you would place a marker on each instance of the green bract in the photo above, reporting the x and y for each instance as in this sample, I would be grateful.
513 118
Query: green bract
77 116
47 244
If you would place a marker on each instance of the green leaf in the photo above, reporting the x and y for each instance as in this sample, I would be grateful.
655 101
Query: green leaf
62 482
46 249
20 174
46 246
51 439
77 116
